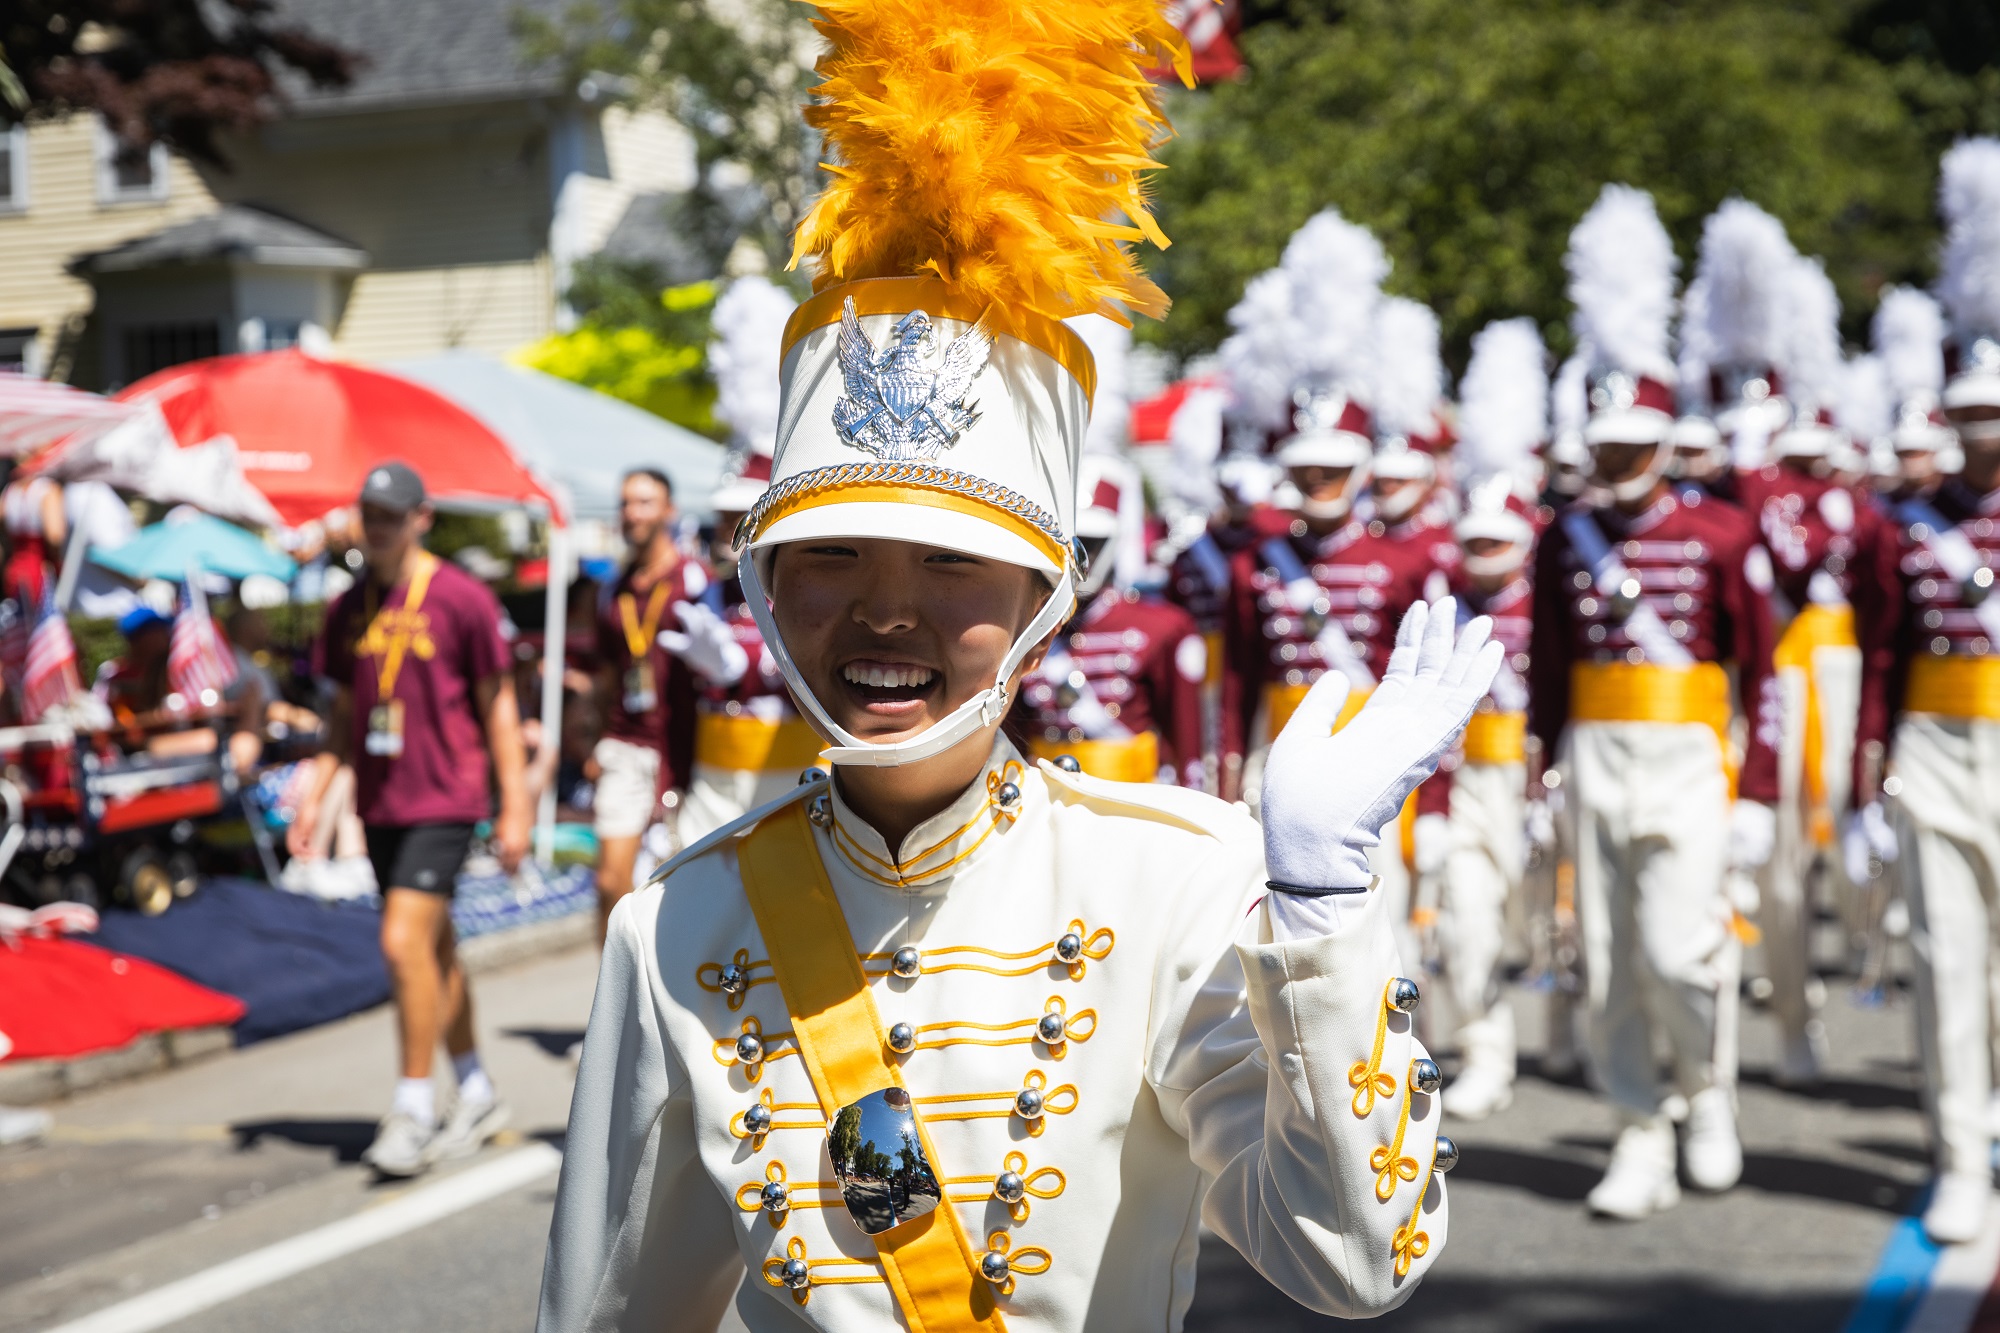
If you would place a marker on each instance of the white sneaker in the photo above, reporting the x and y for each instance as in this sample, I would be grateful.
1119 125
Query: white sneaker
1479 1091
403 1147
1957 1211
1641 1179
471 1127
1804 1057
1712 1153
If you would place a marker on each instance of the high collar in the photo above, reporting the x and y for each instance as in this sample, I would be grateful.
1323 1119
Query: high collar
1632 525
947 843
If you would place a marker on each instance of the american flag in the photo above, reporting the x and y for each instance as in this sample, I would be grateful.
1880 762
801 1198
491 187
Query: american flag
199 665
14 630
49 678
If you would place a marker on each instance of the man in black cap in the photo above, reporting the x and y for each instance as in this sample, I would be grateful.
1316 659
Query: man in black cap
423 706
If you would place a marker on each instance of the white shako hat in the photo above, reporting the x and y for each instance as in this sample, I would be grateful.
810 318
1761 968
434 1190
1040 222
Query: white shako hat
1407 389
1908 333
1735 322
1969 198
1503 416
1810 362
1621 281
931 392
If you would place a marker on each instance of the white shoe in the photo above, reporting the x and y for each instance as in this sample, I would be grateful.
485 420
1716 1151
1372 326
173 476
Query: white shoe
471 1127
403 1147
1641 1179
1804 1058
1957 1211
1479 1091
1713 1155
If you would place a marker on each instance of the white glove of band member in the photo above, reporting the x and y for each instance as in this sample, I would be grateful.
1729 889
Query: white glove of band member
1541 825
1753 835
1327 796
707 644
1431 843
1867 842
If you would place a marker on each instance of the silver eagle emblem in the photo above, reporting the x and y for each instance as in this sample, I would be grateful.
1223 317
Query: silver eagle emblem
898 405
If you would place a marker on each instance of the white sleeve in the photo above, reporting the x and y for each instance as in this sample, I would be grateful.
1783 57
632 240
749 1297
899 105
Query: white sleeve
641 1240
1318 1148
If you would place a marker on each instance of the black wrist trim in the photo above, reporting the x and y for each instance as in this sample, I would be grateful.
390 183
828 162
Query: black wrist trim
1302 891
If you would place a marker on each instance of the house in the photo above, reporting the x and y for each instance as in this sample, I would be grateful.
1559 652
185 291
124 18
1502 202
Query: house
437 202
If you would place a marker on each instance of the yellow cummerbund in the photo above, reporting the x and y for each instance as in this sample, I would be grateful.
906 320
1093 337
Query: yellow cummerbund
1644 692
747 744
1123 759
1212 640
1815 627
1281 701
1954 686
1496 738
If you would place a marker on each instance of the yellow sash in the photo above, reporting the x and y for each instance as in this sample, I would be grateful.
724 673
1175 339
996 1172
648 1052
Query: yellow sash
1123 759
1645 692
1954 686
1496 738
928 1260
746 744
1281 701
1811 629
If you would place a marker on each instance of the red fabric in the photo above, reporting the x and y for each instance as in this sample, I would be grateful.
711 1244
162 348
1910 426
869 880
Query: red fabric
309 430
61 998
1153 418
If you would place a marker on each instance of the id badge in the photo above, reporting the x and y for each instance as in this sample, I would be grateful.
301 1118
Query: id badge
640 696
385 730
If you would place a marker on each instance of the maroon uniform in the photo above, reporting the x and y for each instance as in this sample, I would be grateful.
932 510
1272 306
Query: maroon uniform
1200 583
1705 577
652 693
1141 662
1811 526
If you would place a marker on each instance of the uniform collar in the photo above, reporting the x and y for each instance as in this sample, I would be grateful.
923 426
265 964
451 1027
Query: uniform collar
1643 521
948 842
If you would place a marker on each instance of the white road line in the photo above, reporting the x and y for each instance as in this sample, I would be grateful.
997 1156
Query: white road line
1958 1284
274 1263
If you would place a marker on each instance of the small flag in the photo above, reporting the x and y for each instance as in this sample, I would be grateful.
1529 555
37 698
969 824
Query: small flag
199 665
49 677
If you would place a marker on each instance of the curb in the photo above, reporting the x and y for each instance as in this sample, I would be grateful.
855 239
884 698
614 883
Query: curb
28 1082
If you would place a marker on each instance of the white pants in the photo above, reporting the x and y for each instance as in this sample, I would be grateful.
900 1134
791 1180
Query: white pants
1650 809
1949 817
715 796
1489 855
628 782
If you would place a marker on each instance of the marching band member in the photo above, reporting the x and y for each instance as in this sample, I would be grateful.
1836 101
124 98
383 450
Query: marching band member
952 1040
1639 600
1119 690
1908 331
1931 627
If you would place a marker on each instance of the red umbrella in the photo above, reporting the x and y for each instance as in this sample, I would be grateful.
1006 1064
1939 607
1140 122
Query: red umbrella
308 430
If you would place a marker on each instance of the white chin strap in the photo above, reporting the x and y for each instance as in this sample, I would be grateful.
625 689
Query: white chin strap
1634 489
981 710
1326 509
1498 564
1397 507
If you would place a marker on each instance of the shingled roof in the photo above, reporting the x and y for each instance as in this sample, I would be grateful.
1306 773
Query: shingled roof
423 52
234 232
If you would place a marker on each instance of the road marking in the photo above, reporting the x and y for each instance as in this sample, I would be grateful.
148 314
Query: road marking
274 1263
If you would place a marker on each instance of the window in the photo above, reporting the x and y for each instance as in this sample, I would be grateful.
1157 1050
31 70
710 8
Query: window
16 346
127 173
152 347
14 169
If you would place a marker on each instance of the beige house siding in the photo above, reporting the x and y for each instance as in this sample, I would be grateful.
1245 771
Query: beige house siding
485 307
63 218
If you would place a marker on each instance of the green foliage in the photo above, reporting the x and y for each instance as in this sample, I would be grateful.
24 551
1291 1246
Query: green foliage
637 342
1471 138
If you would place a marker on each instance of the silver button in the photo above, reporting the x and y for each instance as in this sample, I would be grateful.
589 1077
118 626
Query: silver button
749 1049
1010 1188
1051 1030
1403 995
796 1274
735 979
907 962
993 1267
776 1196
1069 948
1067 763
1009 795
1028 1104
1425 1076
812 775
902 1039
819 812
758 1118
1447 1153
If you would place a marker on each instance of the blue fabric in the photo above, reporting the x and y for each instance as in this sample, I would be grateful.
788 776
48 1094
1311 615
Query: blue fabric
295 961
486 903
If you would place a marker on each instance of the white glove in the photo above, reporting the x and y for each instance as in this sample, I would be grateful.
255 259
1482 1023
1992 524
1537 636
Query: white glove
1541 823
707 644
1867 842
1326 796
1753 833
1431 839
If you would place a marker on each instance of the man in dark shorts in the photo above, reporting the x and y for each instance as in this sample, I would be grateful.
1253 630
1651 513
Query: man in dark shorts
423 704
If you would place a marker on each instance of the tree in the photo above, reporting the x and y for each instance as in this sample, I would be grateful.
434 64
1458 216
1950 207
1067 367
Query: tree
1472 137
734 75
177 72
637 342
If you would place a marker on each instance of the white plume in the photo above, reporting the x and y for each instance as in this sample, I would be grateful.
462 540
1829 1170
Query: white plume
743 356
1503 401
1111 410
1909 337
1742 278
1336 269
1569 397
1969 197
1408 371
1621 280
1809 349
1195 439
1867 408
1691 360
1262 360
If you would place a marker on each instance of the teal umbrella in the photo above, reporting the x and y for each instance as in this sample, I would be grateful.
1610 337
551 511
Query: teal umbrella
199 542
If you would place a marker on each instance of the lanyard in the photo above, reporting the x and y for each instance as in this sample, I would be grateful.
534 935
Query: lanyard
639 635
392 643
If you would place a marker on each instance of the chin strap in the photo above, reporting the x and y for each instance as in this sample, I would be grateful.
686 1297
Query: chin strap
981 710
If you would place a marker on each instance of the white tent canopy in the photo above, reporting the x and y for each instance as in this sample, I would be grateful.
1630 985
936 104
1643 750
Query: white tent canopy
573 437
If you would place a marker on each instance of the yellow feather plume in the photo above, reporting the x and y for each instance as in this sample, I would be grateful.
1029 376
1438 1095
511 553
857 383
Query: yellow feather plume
997 144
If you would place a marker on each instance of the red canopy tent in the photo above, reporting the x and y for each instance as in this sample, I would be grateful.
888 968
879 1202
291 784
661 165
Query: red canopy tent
308 430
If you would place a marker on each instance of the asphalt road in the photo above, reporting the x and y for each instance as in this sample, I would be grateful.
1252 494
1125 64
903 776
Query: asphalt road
152 1181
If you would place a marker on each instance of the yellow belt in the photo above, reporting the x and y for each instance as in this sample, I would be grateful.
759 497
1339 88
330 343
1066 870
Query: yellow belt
1496 738
1954 686
746 743
1645 692
1212 638
927 1260
1122 759
1281 701
1814 628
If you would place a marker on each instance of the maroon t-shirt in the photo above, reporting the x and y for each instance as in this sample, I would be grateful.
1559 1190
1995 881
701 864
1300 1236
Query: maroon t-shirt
672 705
448 644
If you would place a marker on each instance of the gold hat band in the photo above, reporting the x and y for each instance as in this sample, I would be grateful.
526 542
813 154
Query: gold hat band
908 483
